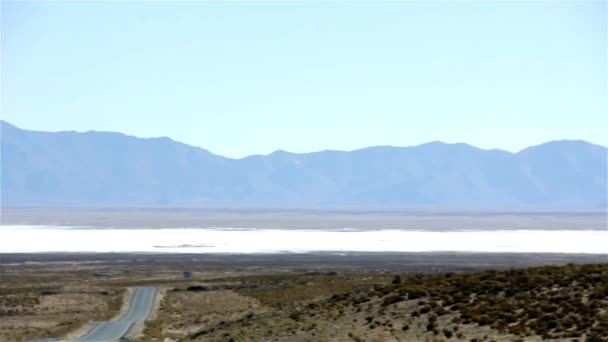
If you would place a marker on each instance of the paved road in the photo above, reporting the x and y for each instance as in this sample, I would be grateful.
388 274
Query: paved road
141 306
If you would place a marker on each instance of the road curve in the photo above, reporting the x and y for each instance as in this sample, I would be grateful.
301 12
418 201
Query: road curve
141 306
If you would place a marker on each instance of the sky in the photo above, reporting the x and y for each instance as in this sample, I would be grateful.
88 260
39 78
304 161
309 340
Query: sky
241 78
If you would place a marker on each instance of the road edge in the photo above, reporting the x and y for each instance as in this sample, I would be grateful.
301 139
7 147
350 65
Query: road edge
137 328
87 327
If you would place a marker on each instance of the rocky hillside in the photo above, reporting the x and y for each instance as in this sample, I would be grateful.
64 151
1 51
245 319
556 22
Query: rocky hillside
553 303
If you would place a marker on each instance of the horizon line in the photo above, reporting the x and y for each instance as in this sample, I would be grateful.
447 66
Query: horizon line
309 152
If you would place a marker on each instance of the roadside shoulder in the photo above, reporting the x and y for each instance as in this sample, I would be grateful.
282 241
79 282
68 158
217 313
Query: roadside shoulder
87 327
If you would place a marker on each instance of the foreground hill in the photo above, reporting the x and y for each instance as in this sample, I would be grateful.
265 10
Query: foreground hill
563 303
102 168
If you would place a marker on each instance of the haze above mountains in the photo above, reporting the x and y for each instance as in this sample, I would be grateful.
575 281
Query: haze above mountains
113 169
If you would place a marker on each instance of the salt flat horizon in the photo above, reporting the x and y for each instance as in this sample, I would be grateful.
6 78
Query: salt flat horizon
42 238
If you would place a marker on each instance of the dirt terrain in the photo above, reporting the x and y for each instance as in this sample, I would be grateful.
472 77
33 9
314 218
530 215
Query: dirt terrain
566 303
323 296
38 301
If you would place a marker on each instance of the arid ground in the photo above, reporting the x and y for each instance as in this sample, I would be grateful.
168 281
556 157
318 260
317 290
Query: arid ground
309 297
324 296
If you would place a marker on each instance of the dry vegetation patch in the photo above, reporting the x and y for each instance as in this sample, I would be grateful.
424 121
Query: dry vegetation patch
311 302
190 313
38 314
565 303
39 302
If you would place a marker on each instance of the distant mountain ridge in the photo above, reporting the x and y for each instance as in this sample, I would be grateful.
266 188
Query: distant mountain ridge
104 168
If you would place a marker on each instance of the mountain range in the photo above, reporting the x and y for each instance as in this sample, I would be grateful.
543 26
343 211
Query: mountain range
112 169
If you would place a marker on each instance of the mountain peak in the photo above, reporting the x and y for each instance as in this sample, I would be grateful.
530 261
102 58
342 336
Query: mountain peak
105 168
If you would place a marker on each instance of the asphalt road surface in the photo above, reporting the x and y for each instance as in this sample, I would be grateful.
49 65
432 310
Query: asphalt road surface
141 306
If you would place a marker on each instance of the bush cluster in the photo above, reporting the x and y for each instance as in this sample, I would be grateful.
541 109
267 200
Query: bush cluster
552 302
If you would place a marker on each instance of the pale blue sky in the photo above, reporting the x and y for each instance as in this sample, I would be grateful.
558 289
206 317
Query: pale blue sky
242 78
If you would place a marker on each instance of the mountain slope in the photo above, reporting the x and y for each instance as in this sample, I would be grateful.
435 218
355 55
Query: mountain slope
101 168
